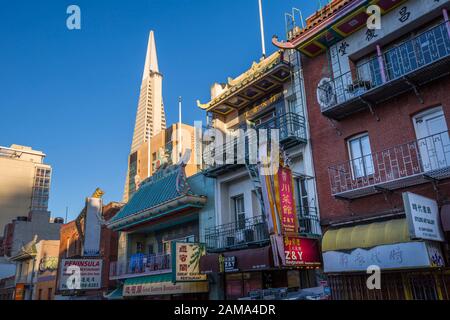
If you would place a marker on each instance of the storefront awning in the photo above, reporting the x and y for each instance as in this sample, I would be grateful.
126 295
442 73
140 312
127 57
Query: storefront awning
366 236
161 285
116 294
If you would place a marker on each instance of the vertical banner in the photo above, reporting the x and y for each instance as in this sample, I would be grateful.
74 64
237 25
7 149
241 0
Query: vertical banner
186 261
286 201
92 227
269 202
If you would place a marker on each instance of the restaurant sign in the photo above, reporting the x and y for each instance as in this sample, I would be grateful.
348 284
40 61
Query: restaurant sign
423 217
186 261
162 288
286 201
301 251
83 274
406 255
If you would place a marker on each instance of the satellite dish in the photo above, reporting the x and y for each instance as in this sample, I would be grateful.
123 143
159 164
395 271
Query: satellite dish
185 158
326 95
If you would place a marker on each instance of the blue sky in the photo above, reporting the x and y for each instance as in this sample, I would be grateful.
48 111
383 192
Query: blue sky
73 94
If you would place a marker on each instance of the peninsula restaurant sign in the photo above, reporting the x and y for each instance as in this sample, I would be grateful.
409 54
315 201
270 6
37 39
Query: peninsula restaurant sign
90 273
423 217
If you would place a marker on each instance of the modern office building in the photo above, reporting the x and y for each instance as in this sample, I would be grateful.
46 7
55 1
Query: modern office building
150 116
24 183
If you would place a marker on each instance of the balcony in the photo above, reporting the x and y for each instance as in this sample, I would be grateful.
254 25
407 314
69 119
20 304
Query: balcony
398 167
235 152
407 66
140 266
308 221
236 235
292 128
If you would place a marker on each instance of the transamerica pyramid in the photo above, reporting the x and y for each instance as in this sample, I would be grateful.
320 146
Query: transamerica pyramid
150 116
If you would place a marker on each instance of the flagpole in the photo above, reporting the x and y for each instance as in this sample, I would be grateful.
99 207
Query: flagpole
261 22
179 128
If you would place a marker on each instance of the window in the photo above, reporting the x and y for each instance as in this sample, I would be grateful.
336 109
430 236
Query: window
50 292
167 244
139 247
361 156
432 139
302 196
40 294
239 211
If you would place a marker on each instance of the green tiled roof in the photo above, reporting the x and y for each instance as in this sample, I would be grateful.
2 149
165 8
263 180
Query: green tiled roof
158 189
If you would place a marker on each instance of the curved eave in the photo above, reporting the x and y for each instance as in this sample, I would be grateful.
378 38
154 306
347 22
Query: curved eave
158 211
250 82
314 39
281 44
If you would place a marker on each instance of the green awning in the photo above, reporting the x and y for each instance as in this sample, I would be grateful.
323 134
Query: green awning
116 294
166 277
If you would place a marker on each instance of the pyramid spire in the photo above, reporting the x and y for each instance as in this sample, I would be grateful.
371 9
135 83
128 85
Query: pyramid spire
151 59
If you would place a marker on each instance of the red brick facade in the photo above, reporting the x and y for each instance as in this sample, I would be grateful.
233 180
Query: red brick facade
71 245
395 127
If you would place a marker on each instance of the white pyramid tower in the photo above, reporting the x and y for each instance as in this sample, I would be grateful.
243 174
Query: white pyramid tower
150 116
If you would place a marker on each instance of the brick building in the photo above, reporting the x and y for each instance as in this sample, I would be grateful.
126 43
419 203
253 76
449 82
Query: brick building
72 246
378 103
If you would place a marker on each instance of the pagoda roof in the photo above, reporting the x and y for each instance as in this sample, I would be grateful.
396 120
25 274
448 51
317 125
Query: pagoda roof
260 78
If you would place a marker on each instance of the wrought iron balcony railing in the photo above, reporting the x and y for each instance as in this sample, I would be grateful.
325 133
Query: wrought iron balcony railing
141 265
397 167
407 65
291 128
308 221
292 131
237 234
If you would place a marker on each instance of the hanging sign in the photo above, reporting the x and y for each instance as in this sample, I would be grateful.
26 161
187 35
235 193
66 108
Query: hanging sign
186 261
286 201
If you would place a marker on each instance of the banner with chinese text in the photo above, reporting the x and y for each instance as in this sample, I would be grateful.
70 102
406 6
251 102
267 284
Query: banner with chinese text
186 261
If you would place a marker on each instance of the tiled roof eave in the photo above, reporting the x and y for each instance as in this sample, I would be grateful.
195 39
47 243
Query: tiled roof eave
314 29
245 84
159 209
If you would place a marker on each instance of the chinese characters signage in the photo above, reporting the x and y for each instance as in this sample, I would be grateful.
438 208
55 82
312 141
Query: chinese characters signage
423 217
393 256
90 273
186 261
301 251
161 288
229 264
288 215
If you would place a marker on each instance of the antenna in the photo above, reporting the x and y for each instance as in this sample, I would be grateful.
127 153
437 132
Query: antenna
67 212
261 22
289 23
149 172
179 127
300 15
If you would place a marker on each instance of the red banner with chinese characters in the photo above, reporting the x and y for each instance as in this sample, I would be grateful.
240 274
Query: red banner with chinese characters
286 201
301 251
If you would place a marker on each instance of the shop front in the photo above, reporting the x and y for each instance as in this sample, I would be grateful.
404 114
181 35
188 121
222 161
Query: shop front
250 272
409 269
161 287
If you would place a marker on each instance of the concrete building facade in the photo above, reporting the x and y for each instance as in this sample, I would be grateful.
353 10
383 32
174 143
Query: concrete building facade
24 183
